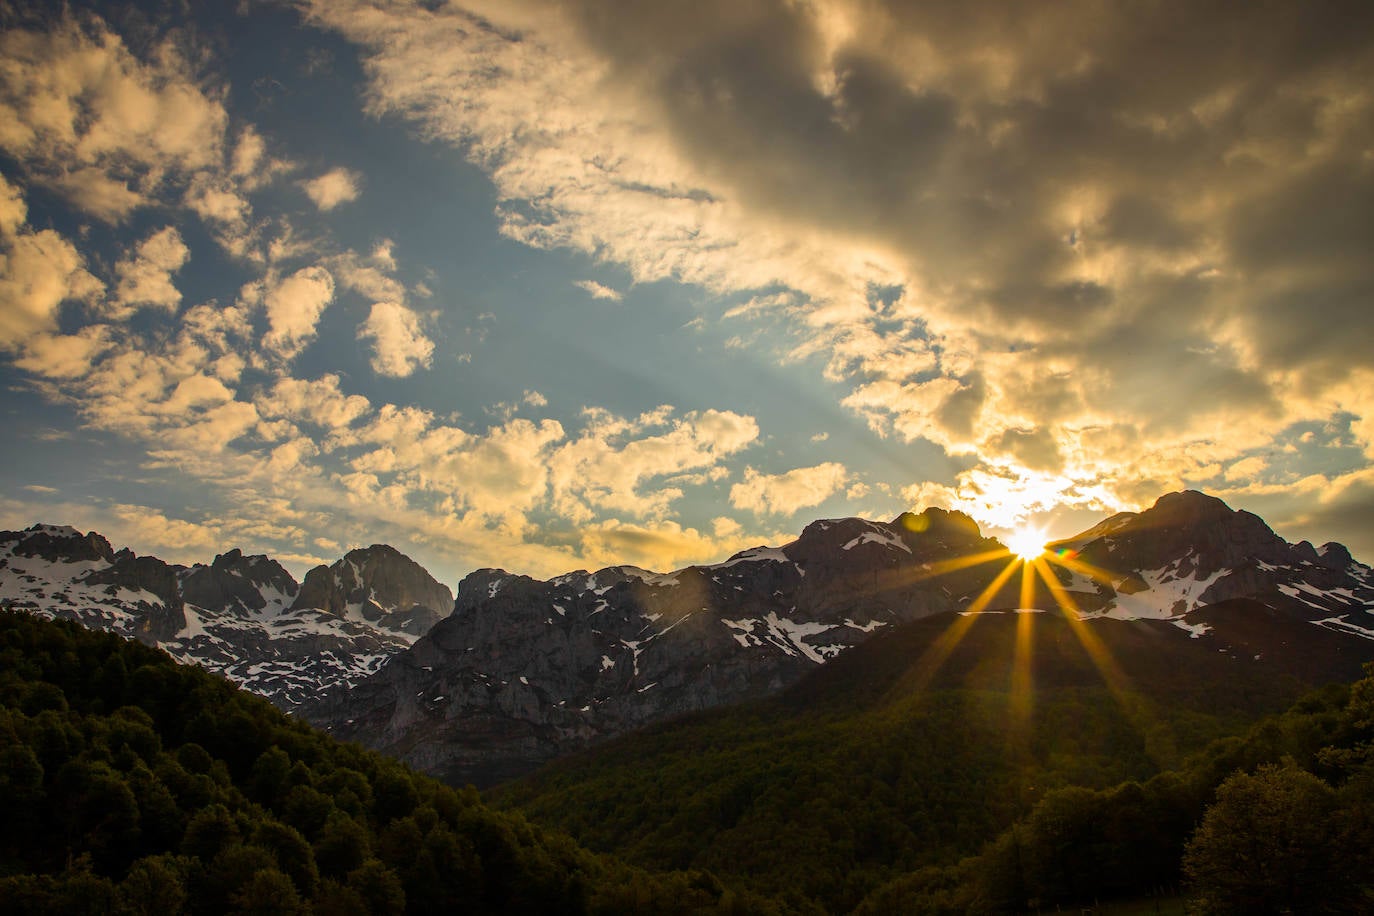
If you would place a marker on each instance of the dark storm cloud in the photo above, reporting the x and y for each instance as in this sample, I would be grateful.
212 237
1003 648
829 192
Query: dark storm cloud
957 134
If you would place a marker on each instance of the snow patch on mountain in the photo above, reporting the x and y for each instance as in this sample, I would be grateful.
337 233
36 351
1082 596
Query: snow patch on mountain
240 617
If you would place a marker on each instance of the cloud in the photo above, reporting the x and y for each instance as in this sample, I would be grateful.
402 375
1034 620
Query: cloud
597 291
146 278
609 467
336 186
1245 469
92 190
369 276
217 201
13 211
320 402
399 344
983 220
789 492
664 546
64 356
38 272
294 306
104 128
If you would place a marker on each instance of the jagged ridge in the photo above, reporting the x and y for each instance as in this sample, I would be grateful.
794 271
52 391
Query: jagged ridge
244 617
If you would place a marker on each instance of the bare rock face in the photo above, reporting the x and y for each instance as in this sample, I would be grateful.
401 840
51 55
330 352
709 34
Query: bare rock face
58 543
240 616
234 582
378 585
1191 551
525 670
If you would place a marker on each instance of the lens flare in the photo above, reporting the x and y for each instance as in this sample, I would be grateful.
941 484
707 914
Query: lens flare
1027 543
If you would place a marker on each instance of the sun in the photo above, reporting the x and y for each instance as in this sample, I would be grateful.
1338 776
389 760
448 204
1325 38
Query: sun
1027 543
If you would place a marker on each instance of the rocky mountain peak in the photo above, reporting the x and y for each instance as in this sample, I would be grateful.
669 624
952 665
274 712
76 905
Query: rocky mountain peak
58 543
239 584
380 585
1190 527
1334 556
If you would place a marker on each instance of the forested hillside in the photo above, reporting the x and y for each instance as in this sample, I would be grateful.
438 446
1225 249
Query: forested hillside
134 785
887 784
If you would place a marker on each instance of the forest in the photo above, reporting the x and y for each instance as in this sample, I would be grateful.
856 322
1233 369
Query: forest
873 788
135 785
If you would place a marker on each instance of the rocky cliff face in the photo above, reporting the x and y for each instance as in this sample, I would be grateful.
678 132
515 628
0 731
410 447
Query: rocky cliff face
525 670
378 585
1190 552
242 616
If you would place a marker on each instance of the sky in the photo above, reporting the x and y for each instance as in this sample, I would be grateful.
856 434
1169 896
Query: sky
552 285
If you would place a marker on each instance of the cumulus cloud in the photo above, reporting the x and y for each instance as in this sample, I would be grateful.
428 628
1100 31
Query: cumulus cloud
609 467
320 402
663 546
64 356
99 194
399 343
84 115
13 211
38 272
336 186
788 492
294 305
145 279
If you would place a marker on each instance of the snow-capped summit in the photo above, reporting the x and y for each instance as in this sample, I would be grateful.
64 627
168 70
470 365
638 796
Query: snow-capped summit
380 586
241 616
1191 551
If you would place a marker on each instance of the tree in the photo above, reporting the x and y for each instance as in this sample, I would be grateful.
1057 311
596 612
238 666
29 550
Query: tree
1272 842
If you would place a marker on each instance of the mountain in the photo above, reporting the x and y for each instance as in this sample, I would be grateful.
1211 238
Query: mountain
379 586
244 617
1088 721
1190 552
524 671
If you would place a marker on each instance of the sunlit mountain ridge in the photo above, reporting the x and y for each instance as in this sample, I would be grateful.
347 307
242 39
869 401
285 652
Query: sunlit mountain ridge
519 671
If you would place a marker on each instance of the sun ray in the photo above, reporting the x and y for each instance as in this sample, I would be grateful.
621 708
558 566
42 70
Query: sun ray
1137 712
1022 700
945 567
925 668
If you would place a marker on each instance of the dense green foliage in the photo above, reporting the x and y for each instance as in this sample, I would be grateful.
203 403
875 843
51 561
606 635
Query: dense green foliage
1280 820
879 787
134 785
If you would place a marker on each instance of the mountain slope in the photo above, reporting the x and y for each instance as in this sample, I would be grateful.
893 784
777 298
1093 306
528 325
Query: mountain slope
244 617
1191 552
524 671
910 751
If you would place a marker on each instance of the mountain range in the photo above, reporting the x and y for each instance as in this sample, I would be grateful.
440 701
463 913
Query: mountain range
244 617
516 671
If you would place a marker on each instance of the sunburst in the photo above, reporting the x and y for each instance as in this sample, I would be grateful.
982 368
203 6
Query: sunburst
1027 543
